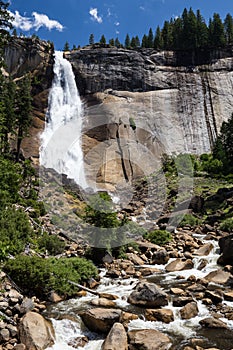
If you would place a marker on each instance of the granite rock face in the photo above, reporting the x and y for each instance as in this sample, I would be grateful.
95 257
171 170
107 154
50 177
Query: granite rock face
23 55
142 103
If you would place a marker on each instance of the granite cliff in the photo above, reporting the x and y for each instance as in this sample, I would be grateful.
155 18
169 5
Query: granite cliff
141 103
138 104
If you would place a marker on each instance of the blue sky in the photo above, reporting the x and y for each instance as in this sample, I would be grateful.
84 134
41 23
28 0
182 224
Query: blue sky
73 20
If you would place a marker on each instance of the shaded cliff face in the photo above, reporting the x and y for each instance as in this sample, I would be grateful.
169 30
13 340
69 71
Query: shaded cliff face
24 55
140 104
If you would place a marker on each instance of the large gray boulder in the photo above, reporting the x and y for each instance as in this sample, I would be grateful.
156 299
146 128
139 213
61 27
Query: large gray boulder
116 339
148 295
148 339
35 332
100 319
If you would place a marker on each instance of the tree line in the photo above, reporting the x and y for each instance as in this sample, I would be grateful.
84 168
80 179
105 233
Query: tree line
188 31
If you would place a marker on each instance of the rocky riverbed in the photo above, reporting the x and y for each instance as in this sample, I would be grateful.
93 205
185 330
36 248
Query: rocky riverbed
155 298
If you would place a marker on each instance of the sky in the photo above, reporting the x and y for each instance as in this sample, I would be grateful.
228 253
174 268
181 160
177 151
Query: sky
74 20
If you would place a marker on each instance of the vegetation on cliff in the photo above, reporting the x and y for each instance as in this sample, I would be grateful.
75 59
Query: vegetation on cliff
188 31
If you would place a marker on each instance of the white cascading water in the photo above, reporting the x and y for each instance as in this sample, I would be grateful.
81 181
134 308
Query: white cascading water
61 140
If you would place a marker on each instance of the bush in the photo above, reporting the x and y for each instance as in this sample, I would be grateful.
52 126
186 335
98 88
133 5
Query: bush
52 244
160 237
227 225
189 220
38 276
15 230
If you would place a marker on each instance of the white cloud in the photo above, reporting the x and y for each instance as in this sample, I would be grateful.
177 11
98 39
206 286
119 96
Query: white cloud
37 21
94 15
109 12
117 24
142 8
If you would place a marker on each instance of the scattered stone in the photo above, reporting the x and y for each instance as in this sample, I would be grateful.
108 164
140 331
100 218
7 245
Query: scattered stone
27 305
163 315
215 296
148 295
54 297
181 301
103 302
4 335
99 319
211 322
19 347
126 317
204 250
160 257
189 310
228 295
116 338
135 259
78 342
179 265
149 339
147 271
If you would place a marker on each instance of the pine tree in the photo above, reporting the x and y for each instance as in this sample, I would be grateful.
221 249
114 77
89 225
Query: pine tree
150 40
202 31
111 42
167 35
158 41
5 24
133 43
102 40
144 41
117 43
216 32
228 26
91 39
127 41
66 46
137 41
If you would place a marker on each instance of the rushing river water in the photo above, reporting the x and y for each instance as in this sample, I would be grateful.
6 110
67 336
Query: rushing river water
69 326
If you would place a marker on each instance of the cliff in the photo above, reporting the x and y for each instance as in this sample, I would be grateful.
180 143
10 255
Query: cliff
141 103
24 55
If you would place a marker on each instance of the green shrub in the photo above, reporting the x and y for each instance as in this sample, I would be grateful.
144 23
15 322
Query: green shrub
227 225
132 123
39 276
15 230
51 243
190 220
159 237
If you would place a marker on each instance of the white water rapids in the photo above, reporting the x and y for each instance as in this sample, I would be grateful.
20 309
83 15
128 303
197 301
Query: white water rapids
61 140
67 330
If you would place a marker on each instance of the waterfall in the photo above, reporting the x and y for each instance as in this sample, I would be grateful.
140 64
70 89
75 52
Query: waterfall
61 140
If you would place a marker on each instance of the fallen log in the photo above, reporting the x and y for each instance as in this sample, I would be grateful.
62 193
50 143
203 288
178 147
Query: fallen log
84 288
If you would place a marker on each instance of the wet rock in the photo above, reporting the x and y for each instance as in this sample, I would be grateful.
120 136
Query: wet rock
108 296
211 322
135 259
215 296
148 339
163 315
218 276
202 264
54 297
126 317
228 295
226 249
36 332
160 257
177 291
147 271
204 250
179 265
113 273
99 319
116 338
148 295
181 301
19 347
78 342
189 310
103 302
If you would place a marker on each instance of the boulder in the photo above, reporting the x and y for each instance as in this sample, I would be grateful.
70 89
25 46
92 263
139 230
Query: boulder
215 296
218 276
149 339
103 302
163 315
100 319
126 317
189 310
228 295
160 257
35 332
135 259
226 249
179 265
148 295
211 322
181 301
204 250
116 338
